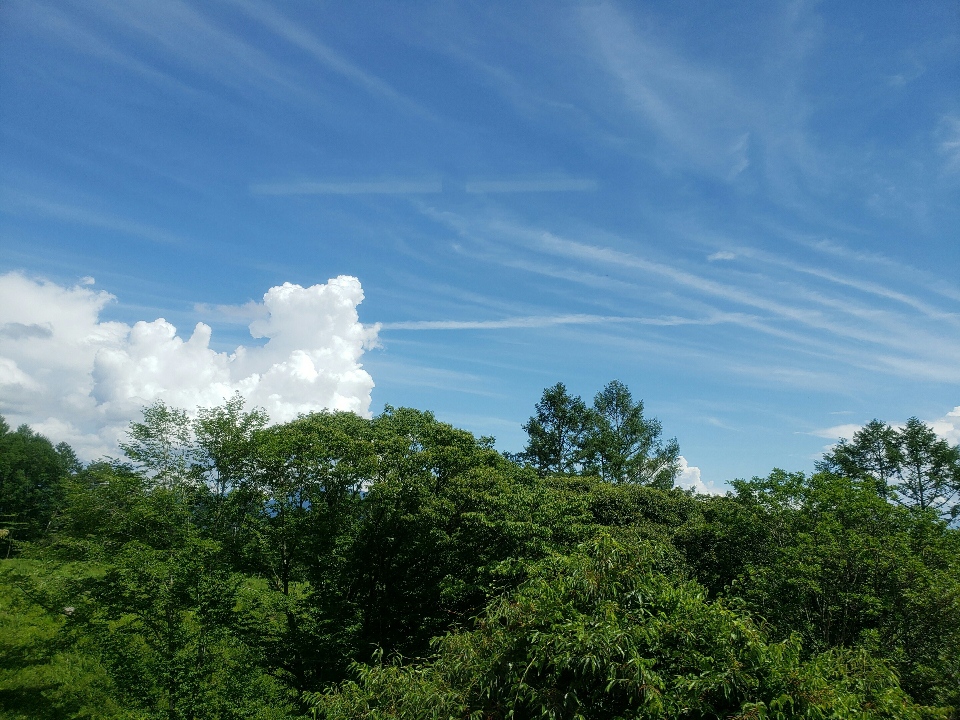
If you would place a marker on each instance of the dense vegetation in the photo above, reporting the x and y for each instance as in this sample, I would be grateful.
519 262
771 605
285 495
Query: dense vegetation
341 567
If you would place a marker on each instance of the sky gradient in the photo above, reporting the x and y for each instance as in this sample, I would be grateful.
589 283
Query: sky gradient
749 212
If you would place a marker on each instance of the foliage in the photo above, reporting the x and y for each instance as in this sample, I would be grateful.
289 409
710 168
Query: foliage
399 566
842 567
32 474
557 432
603 633
158 609
911 465
42 675
612 439
441 513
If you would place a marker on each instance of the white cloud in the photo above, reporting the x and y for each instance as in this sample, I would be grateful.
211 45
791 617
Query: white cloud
79 379
539 321
689 479
950 145
948 426
836 432
721 255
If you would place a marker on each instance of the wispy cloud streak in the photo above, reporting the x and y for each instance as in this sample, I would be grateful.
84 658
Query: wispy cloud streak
540 321
865 286
673 95
950 145
201 46
532 185
17 202
836 321
309 43
362 187
70 32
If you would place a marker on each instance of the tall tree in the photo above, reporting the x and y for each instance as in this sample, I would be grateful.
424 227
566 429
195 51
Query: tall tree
223 436
873 452
929 471
32 471
557 432
910 465
162 445
625 447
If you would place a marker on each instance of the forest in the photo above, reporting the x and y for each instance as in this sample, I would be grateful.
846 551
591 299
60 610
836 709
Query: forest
341 567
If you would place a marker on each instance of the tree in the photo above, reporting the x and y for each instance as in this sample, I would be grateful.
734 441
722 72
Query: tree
840 566
604 632
32 473
929 471
139 595
162 445
623 446
911 466
557 432
427 525
223 436
872 452
165 621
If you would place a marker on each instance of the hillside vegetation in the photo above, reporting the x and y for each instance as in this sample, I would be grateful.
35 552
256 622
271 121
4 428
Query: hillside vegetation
342 567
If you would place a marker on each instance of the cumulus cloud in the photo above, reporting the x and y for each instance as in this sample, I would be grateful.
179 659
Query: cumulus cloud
689 479
948 426
76 378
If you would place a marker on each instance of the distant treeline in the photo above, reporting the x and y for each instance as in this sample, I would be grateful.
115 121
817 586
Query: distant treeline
397 567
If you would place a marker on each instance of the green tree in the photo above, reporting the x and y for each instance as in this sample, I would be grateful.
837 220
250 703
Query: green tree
223 443
32 483
291 511
623 446
872 452
928 476
420 548
842 567
604 632
404 585
910 465
556 432
723 537
157 607
162 445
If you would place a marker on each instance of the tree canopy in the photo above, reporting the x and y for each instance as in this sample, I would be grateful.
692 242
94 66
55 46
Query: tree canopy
611 439
346 567
911 465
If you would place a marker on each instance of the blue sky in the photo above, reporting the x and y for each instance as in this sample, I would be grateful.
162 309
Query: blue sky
748 212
